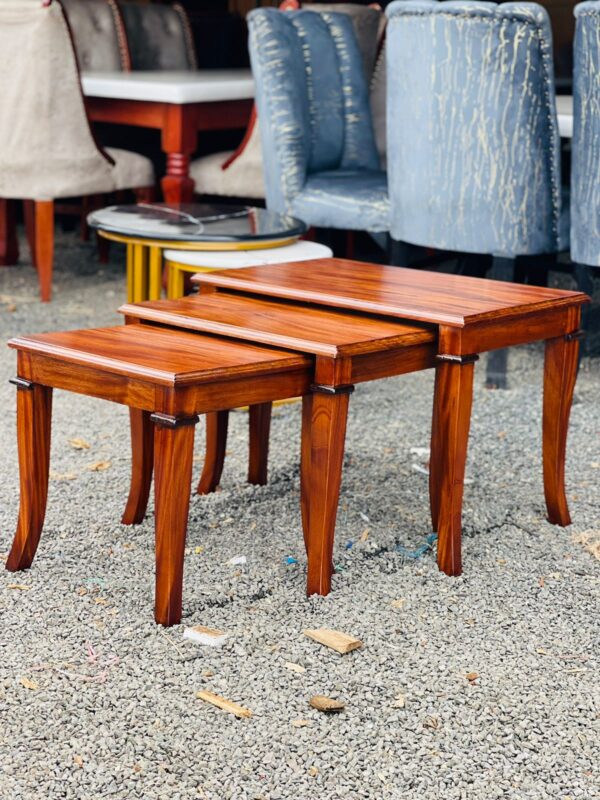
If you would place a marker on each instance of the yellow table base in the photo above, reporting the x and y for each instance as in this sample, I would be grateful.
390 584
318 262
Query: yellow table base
145 263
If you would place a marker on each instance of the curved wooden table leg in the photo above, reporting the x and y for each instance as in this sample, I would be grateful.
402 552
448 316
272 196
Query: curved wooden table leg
434 462
327 432
260 427
216 443
454 393
305 465
34 416
142 457
560 373
173 456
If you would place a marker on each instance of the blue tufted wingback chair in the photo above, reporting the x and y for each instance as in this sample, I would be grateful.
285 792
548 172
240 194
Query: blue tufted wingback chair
319 154
585 164
473 143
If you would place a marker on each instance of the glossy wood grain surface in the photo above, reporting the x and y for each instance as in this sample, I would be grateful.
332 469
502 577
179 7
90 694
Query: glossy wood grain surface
163 356
411 294
309 329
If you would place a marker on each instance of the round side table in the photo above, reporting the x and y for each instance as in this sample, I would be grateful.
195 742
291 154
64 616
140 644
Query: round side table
178 262
148 229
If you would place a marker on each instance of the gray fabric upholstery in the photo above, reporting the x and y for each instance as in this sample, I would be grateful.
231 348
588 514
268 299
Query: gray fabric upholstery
159 36
473 145
319 153
585 177
98 34
47 150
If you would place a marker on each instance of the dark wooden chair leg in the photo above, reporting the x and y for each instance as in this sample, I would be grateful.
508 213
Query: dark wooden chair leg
503 269
145 194
560 373
585 283
9 244
103 248
29 217
173 456
34 416
216 444
260 427
44 246
142 462
454 392
327 432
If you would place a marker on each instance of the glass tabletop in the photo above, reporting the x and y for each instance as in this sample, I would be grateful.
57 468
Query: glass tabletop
195 222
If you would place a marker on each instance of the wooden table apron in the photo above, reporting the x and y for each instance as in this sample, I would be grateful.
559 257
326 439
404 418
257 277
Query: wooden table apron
459 343
179 124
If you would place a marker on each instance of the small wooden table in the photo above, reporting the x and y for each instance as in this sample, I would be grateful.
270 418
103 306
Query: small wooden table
179 104
472 315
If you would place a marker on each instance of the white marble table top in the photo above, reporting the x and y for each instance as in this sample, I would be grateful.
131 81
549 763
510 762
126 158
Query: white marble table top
564 110
203 86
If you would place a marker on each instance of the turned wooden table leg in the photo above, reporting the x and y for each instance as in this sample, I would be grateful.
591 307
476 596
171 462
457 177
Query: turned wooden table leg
142 460
560 373
454 392
34 415
260 427
214 458
327 432
173 455
305 463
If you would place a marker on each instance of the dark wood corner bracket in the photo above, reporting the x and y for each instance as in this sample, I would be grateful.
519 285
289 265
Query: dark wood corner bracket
168 421
578 334
323 388
21 383
462 360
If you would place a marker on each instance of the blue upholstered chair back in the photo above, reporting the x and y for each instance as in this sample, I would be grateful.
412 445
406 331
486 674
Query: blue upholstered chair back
473 146
585 166
312 99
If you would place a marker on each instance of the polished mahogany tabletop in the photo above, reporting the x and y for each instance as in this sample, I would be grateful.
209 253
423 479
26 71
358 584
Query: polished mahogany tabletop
411 294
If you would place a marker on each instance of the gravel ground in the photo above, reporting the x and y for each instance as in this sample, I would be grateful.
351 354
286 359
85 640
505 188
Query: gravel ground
96 701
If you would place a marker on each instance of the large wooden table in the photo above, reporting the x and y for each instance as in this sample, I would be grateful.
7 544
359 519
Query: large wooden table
179 104
471 315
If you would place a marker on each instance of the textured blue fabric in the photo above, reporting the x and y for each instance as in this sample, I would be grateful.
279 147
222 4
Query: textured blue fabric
473 145
585 165
316 129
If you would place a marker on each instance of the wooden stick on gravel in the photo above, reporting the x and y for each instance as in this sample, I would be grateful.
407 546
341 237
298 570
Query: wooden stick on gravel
341 642
226 705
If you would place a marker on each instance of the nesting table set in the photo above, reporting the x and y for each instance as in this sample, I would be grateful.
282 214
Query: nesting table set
256 335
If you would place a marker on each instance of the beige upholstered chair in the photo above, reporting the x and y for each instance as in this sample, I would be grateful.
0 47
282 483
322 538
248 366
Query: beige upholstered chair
239 173
47 150
99 36
159 36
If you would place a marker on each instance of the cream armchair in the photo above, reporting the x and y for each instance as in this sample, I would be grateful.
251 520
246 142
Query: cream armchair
47 149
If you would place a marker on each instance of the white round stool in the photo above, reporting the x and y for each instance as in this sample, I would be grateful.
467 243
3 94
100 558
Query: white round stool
179 262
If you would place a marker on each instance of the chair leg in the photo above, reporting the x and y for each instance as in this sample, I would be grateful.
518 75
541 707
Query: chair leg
503 269
585 283
216 443
145 194
450 434
260 427
9 244
173 456
103 248
29 217
560 373
326 433
142 458
34 416
44 246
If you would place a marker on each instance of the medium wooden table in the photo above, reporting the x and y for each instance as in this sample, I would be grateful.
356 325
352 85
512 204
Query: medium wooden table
472 315
179 104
